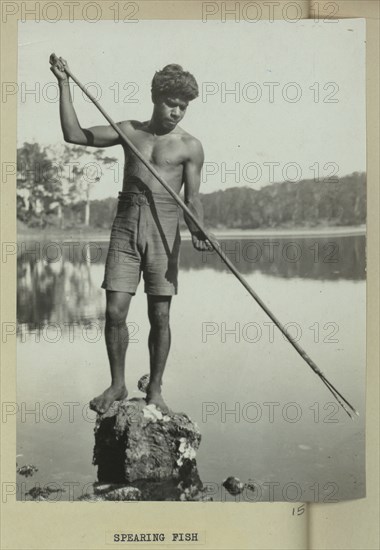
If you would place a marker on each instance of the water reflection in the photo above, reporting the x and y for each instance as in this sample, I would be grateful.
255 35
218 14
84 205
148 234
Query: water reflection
307 258
55 292
61 281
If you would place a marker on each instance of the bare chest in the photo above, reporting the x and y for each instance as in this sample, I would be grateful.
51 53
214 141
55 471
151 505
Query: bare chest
161 151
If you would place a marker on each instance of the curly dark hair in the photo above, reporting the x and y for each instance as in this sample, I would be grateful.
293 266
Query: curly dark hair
174 81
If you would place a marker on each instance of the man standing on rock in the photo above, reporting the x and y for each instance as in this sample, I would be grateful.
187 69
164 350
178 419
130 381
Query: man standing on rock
145 234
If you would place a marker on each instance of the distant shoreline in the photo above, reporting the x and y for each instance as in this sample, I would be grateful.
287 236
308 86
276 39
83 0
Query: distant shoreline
102 235
294 232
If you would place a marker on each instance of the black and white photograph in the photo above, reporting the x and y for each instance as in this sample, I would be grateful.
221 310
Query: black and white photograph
191 261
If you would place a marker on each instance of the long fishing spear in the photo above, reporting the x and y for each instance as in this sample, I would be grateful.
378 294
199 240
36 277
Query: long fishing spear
215 245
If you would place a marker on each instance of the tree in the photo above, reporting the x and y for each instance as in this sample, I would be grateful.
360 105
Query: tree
83 171
39 189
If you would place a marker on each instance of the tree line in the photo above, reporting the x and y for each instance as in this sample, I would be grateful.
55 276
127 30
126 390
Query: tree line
280 205
47 194
306 203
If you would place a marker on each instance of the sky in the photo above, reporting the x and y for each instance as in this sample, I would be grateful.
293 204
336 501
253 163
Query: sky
278 100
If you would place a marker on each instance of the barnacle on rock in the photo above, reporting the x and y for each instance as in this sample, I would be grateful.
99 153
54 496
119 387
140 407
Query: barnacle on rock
152 413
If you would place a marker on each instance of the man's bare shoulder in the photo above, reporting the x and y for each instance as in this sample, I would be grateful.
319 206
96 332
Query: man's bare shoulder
193 144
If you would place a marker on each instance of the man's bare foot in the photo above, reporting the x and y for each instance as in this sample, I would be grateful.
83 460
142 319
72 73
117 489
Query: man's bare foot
102 403
154 397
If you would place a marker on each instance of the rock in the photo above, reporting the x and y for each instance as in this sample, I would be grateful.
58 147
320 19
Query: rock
251 486
142 384
134 442
233 485
189 488
124 493
143 454
42 493
27 470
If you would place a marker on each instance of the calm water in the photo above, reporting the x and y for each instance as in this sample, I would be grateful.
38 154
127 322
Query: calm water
263 414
